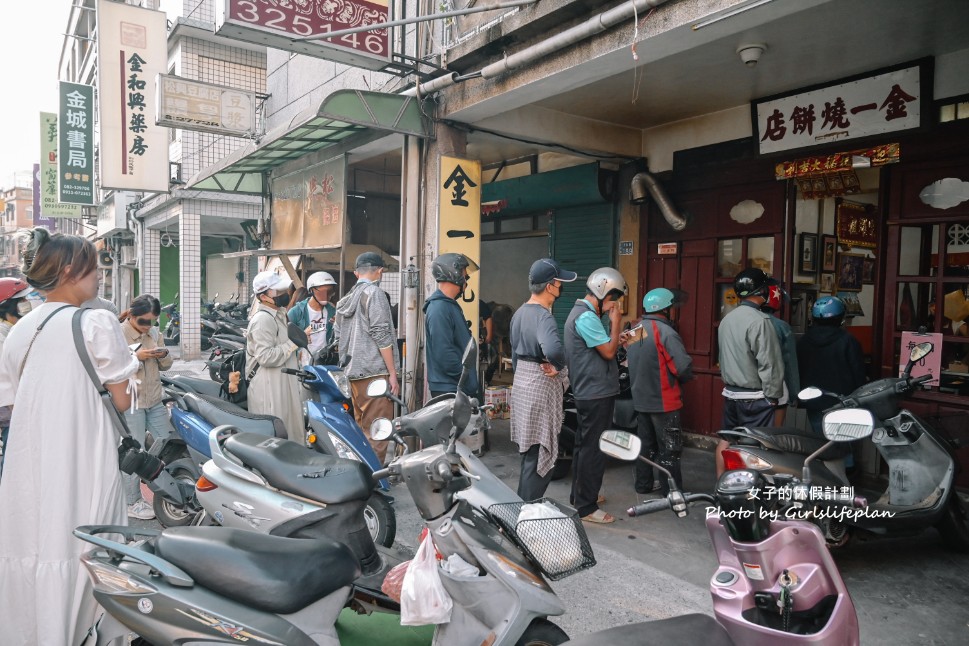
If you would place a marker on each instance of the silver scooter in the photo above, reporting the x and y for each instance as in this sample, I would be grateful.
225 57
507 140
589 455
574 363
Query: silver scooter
471 513
215 585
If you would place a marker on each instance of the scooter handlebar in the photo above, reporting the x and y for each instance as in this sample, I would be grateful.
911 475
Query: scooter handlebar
649 507
291 371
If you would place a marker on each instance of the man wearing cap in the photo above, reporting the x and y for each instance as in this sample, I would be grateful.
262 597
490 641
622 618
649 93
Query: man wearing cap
751 363
538 359
658 364
268 351
365 329
315 314
445 328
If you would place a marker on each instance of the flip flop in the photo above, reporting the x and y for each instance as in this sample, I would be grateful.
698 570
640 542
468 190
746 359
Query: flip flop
600 517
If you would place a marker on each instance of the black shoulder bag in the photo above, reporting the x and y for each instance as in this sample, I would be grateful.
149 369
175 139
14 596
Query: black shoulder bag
131 457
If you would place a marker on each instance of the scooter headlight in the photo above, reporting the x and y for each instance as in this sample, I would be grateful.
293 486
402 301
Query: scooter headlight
343 449
112 580
342 382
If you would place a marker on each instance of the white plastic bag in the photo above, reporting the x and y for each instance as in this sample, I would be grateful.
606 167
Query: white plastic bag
423 599
457 566
555 545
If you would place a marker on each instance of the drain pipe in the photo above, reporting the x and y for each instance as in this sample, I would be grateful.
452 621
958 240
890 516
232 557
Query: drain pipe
580 32
644 183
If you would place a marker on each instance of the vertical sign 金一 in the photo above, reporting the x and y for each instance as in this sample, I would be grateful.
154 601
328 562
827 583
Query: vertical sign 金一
49 206
460 224
75 144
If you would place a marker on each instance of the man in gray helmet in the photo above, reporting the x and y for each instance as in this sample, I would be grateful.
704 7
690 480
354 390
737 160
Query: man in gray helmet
591 354
445 327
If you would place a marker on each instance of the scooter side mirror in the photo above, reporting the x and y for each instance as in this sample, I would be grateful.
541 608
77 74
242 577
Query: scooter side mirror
920 350
809 393
297 335
377 388
381 429
848 424
621 445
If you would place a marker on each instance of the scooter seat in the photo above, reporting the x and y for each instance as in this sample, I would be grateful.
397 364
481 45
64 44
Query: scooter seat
686 629
298 470
270 573
193 384
218 411
793 440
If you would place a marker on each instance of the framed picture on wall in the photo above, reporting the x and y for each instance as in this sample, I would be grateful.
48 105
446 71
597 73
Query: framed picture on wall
827 283
807 253
868 271
829 253
849 272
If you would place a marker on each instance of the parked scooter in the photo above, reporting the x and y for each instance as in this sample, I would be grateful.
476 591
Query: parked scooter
470 513
776 583
173 326
216 585
922 466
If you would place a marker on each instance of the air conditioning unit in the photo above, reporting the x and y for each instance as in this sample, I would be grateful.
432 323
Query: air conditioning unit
128 256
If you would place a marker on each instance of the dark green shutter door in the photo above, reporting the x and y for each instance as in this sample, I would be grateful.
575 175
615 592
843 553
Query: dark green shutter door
582 241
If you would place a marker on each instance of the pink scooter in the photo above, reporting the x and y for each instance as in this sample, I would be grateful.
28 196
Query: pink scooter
776 584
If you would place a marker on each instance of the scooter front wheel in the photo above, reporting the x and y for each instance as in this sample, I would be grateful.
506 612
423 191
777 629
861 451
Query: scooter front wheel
542 632
168 513
381 520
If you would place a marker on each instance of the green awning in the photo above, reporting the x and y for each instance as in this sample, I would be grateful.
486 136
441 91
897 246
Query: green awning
341 115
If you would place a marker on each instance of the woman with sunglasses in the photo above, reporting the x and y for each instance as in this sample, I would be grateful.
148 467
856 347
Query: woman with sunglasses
147 412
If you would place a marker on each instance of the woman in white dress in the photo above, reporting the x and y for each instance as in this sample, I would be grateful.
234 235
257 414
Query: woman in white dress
61 468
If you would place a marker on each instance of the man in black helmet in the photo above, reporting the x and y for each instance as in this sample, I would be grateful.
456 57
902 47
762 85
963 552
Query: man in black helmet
751 363
445 328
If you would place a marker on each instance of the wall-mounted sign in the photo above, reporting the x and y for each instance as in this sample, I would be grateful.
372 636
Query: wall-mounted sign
193 105
666 249
49 206
40 220
132 51
625 247
309 206
459 192
888 101
277 25
75 144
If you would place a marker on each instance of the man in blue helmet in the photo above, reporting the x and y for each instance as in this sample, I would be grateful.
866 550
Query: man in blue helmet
658 364
828 357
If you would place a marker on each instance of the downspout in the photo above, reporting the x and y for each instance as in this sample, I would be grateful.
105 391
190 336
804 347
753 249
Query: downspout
410 253
644 183
580 32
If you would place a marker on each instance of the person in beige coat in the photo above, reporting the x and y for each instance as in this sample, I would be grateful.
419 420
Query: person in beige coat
268 351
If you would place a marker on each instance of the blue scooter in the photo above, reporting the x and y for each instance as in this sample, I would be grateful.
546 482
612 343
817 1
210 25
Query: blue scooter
332 430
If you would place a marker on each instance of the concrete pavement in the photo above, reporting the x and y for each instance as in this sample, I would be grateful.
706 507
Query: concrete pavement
906 590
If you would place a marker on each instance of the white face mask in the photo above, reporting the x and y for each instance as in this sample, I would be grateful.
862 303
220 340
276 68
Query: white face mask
25 307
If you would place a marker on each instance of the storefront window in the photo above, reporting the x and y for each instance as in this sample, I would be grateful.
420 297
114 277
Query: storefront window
729 256
912 306
916 249
957 250
734 254
760 254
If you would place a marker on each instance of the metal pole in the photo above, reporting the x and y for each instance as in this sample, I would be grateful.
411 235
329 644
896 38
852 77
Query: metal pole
506 4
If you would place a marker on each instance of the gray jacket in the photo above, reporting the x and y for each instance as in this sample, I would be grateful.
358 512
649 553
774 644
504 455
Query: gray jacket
364 325
750 353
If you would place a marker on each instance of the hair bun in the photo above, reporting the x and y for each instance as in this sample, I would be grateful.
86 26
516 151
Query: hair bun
36 238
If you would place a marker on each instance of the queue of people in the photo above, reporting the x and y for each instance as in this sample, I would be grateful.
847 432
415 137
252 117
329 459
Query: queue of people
53 482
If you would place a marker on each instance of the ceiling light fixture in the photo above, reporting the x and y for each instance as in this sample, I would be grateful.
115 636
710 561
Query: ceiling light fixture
750 53
737 9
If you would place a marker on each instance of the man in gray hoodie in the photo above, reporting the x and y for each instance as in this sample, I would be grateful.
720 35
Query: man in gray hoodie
365 327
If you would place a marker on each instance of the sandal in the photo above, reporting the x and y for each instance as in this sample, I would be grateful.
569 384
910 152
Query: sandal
600 517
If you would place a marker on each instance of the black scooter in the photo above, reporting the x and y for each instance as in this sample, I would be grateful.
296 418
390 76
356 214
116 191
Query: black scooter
922 465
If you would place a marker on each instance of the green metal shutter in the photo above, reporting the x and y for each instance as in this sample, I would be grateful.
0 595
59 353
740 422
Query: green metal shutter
582 240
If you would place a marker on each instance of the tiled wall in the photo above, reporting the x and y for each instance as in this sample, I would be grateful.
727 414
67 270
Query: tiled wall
190 288
150 262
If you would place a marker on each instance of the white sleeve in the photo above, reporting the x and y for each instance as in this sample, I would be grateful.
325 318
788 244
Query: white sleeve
112 358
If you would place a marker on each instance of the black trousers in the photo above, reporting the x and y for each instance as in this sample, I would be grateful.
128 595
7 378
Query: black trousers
532 486
660 446
593 416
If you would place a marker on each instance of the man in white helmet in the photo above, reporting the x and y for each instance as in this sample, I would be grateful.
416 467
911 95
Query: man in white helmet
315 314
591 353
